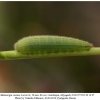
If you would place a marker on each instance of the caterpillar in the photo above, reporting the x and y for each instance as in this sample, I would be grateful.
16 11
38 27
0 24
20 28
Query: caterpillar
50 44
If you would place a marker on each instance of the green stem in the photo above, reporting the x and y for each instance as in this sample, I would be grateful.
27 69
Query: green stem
8 55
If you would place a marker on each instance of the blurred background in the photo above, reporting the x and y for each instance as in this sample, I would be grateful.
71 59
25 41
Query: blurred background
48 75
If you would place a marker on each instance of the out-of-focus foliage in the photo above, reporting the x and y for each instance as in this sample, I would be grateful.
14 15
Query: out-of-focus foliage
64 74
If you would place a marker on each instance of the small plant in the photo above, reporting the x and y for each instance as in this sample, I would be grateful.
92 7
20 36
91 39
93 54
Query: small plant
49 46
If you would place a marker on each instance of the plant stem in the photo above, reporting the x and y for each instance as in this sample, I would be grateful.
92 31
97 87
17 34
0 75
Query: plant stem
12 55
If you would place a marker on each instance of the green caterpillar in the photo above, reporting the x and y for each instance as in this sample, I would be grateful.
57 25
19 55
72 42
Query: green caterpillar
50 44
46 46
